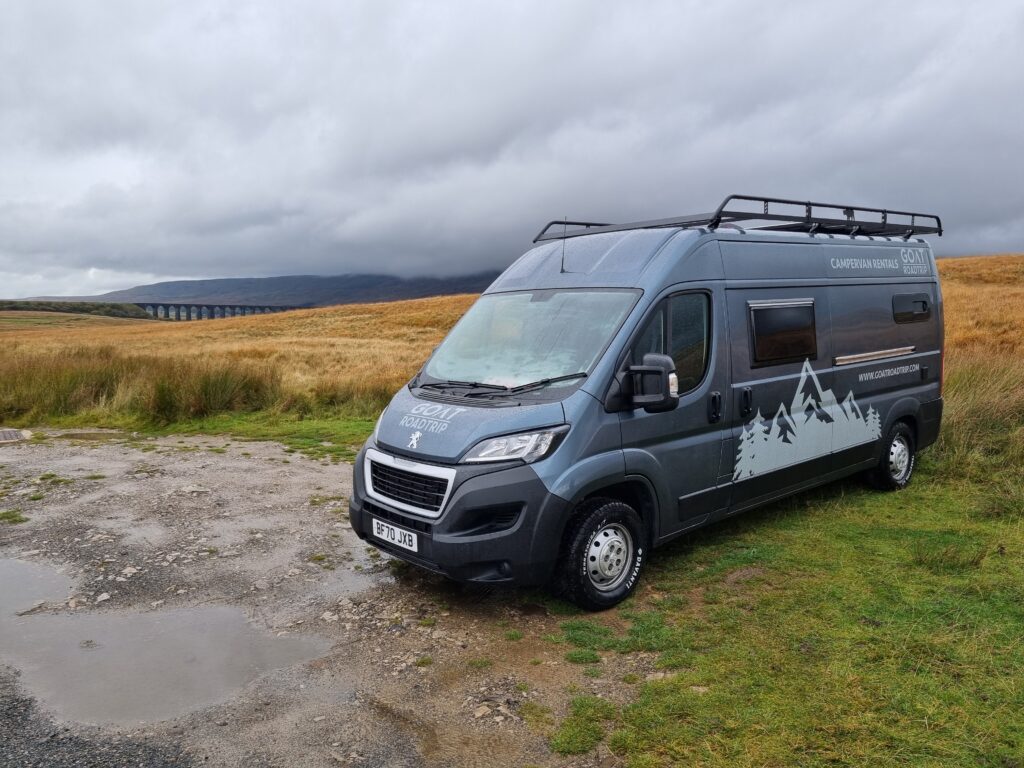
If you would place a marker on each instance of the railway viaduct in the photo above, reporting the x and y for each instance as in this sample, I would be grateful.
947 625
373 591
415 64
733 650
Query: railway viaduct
189 311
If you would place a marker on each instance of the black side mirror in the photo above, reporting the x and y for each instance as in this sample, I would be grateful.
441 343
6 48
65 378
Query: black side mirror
654 383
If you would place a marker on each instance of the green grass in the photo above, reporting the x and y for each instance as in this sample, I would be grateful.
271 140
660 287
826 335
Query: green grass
582 730
479 664
12 517
536 716
841 627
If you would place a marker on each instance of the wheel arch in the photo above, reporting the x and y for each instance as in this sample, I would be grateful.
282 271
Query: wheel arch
636 491
907 410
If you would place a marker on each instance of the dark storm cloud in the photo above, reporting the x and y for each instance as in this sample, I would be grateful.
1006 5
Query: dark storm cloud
144 141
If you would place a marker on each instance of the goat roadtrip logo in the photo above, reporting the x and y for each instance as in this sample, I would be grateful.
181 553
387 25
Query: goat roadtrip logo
815 424
428 417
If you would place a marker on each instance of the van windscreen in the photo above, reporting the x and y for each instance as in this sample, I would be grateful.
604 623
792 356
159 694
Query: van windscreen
510 339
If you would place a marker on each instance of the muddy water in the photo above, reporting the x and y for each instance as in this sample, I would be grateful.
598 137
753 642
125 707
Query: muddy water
127 668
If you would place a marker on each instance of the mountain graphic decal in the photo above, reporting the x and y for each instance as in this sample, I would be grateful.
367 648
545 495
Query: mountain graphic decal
814 424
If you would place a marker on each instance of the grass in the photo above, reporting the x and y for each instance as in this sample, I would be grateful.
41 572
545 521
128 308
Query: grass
536 716
582 656
12 517
92 308
345 360
583 729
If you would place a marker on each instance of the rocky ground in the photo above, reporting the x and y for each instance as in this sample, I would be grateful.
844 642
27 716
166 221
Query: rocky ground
416 671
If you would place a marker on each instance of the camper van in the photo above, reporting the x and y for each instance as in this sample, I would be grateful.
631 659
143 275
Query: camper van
620 385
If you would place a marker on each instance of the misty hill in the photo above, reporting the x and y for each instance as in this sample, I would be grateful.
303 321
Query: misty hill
295 290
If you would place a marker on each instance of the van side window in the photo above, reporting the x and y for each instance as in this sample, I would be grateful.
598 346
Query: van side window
783 331
689 338
651 338
911 307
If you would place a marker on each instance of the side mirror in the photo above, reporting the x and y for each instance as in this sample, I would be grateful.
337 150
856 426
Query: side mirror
655 387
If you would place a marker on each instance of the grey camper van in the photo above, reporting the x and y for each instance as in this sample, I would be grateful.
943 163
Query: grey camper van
619 385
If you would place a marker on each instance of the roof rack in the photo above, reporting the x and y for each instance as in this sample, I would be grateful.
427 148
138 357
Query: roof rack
851 220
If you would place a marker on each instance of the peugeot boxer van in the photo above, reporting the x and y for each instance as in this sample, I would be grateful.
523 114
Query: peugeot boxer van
619 385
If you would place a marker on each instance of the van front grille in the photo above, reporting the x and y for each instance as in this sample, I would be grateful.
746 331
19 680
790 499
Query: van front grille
412 488
393 517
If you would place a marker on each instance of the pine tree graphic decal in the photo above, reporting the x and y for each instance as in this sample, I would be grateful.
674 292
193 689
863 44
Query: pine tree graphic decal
815 424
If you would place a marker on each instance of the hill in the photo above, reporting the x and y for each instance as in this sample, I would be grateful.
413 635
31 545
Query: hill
296 290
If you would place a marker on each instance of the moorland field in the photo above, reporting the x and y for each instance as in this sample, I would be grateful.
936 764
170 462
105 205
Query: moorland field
842 626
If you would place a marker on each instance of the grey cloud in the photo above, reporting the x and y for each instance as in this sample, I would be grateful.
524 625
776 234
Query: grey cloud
211 139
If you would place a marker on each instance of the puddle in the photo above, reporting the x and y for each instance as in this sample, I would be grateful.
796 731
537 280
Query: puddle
128 668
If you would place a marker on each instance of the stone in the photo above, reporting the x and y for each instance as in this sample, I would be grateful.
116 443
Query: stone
13 435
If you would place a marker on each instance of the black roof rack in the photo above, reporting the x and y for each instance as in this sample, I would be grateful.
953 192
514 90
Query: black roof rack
851 220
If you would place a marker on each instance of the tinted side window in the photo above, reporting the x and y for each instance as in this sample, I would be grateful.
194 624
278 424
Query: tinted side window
783 331
651 338
689 338
911 307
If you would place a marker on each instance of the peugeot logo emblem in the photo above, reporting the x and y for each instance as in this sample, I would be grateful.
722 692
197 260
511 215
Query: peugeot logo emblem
414 439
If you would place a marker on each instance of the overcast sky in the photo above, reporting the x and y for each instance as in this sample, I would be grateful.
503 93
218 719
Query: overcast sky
142 141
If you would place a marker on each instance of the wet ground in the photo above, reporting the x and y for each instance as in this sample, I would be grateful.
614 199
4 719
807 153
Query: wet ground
199 601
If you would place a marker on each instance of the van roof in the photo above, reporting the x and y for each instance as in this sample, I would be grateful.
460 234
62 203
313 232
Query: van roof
651 257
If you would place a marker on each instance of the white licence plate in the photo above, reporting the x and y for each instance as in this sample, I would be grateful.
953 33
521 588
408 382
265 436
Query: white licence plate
398 536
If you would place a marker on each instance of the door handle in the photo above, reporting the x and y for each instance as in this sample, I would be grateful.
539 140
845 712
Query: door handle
747 404
715 407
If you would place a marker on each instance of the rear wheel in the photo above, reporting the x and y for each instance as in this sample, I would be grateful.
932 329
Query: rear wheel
604 551
899 456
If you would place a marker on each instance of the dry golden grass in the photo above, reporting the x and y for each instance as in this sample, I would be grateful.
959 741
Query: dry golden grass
354 357
984 298
367 348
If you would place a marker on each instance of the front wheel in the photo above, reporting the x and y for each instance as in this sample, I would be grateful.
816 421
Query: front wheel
603 554
899 455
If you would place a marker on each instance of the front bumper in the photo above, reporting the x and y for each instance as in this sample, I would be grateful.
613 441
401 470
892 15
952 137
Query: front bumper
499 525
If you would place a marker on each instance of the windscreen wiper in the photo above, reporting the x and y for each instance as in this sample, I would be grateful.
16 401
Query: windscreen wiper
468 384
544 382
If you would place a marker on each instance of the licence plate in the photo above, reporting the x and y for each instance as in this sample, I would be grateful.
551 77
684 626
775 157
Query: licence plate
397 536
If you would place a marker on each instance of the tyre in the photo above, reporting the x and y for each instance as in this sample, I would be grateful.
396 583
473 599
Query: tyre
899 456
602 556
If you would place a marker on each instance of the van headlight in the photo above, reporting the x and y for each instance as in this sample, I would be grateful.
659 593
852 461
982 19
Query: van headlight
376 427
526 446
